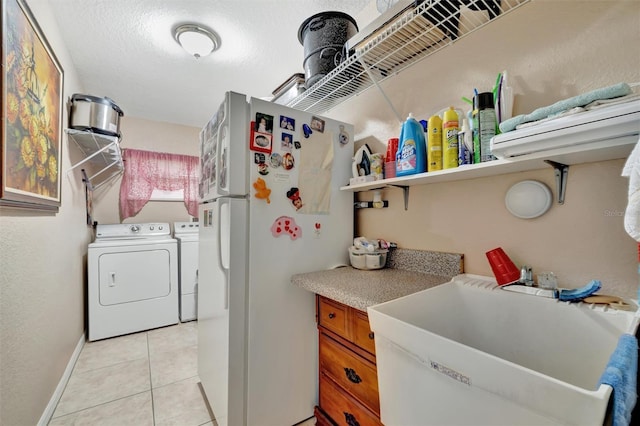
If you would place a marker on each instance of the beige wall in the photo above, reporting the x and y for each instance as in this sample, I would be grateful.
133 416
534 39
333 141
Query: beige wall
43 258
147 135
552 50
42 280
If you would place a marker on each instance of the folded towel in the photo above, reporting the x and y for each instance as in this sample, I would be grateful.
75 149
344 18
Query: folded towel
580 293
572 111
604 103
617 90
632 213
621 374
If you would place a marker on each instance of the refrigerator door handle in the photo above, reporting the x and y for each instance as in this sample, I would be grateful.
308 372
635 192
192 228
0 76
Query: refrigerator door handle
218 155
221 166
224 270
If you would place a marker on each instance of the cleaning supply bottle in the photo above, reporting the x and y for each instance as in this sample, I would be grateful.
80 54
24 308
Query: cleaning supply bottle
450 128
434 143
412 153
465 144
484 127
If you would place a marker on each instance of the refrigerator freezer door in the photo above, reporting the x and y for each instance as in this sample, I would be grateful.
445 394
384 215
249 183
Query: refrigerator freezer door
222 307
224 138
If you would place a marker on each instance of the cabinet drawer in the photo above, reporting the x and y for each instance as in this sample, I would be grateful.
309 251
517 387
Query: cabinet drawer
362 334
333 316
353 373
343 409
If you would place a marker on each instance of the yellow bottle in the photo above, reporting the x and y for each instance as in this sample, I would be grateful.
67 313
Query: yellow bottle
434 143
450 128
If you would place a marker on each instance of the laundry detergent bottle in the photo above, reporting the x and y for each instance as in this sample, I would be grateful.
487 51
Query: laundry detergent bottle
411 157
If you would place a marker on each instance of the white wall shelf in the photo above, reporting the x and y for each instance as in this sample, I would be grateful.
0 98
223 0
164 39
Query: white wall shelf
601 134
414 34
586 153
102 151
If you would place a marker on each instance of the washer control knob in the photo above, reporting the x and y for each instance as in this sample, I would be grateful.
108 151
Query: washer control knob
159 227
151 227
135 228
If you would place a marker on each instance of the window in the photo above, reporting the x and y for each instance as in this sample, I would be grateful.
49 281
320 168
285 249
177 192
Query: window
145 171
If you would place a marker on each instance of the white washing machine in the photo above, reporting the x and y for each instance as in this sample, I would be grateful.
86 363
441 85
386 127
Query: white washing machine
133 279
186 233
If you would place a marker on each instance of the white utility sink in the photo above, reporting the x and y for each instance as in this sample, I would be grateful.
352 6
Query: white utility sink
467 352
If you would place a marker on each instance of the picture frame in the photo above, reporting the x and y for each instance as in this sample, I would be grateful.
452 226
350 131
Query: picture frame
287 123
263 123
286 143
32 111
317 123
260 142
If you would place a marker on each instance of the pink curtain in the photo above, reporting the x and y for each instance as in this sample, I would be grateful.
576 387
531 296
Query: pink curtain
145 170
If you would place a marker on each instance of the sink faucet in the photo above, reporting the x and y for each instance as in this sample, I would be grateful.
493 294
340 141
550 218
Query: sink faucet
525 285
526 276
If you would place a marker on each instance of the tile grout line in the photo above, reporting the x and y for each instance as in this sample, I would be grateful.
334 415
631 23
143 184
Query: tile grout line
107 366
73 369
98 405
153 407
75 373
151 387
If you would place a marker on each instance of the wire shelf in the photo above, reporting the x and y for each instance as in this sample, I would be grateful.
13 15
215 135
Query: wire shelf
101 151
415 34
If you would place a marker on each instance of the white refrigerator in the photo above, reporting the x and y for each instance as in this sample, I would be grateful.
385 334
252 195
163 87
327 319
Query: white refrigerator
270 208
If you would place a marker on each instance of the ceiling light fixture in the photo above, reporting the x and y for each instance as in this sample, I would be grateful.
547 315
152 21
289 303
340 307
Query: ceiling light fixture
196 40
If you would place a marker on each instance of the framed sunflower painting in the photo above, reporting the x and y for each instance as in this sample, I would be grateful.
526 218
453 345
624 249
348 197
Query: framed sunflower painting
32 109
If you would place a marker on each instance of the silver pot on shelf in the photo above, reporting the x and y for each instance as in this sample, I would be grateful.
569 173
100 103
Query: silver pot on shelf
95 114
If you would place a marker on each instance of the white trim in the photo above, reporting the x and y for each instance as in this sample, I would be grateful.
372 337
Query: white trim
160 195
57 394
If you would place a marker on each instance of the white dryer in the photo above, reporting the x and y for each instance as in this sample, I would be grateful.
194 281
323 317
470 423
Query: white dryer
186 233
133 279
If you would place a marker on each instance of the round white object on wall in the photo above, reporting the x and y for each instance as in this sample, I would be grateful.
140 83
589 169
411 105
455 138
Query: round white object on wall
528 199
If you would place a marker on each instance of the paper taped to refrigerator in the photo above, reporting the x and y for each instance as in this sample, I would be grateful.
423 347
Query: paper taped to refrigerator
314 173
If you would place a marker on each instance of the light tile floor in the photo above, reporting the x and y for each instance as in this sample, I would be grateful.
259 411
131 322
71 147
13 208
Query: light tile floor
148 378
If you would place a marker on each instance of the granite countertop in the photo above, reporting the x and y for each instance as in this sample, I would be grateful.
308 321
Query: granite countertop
407 272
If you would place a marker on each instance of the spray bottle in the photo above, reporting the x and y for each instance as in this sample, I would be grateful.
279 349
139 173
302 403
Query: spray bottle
450 128
434 143
484 127
465 144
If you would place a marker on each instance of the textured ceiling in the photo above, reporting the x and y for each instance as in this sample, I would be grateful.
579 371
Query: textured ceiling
124 49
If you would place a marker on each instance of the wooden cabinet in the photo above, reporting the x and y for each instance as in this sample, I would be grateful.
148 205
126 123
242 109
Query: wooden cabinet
347 366
363 336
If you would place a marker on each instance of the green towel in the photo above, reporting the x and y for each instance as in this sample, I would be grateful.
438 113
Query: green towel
615 91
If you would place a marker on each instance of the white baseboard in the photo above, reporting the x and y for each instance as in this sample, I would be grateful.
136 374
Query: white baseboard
57 394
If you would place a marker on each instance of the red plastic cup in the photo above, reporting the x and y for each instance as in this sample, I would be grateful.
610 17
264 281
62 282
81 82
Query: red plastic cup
505 271
392 148
390 169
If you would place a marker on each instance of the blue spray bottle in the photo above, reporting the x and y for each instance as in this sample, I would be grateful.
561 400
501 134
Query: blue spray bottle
411 157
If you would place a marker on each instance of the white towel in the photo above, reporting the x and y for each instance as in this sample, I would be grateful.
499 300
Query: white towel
632 214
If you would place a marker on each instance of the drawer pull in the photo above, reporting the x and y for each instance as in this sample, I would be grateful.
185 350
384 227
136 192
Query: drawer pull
371 335
352 375
332 315
350 419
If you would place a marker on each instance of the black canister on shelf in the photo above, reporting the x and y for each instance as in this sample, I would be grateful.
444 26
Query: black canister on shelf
484 127
323 36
